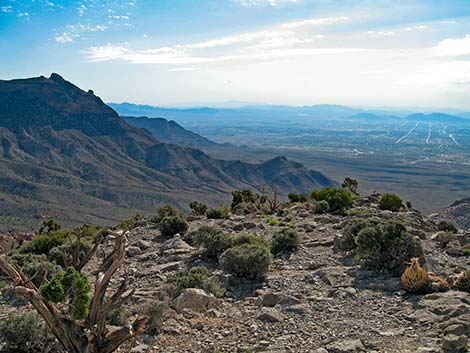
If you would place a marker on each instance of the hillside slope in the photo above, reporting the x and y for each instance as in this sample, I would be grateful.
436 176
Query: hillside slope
65 153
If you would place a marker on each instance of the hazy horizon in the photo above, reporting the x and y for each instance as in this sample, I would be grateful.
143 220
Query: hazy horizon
285 52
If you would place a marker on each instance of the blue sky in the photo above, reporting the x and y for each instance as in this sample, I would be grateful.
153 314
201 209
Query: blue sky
200 52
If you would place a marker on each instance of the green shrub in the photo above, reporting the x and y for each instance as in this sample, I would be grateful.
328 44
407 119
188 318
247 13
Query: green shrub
45 242
286 240
70 286
25 333
247 261
297 197
241 209
251 239
49 225
196 277
118 317
381 245
447 226
213 240
198 208
130 223
214 213
172 225
444 238
163 211
244 196
391 202
37 267
320 207
154 311
339 200
350 184
271 221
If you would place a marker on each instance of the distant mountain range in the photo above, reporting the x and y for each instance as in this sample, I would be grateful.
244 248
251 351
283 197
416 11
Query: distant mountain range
324 111
64 152
170 132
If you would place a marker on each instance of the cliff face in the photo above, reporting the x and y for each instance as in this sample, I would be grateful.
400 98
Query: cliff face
62 150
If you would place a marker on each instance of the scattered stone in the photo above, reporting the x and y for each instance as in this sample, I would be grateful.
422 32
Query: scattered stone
195 299
454 343
270 315
348 346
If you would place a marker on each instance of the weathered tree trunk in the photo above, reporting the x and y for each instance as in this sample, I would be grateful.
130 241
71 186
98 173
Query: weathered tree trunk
90 336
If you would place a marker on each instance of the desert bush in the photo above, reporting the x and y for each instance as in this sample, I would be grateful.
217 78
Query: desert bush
130 223
339 200
49 225
198 208
244 196
172 225
44 242
347 241
416 279
286 240
250 239
241 209
118 317
37 267
163 211
25 333
271 221
386 246
214 213
444 238
213 240
320 207
391 202
247 261
196 277
446 226
297 197
462 282
350 184
154 311
72 287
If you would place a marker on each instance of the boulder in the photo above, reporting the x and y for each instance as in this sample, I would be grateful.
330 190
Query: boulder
196 299
348 346
454 343
270 315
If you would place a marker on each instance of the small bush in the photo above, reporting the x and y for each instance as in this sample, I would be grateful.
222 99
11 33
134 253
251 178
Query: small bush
37 267
462 282
214 213
250 239
130 223
72 287
24 333
445 238
155 311
386 247
350 184
163 211
339 200
213 240
416 279
286 240
271 221
118 317
320 207
241 209
45 242
391 202
244 196
247 261
198 208
196 277
297 197
172 225
446 226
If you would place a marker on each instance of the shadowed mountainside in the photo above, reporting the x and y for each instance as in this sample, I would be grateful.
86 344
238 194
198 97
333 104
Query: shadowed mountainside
65 153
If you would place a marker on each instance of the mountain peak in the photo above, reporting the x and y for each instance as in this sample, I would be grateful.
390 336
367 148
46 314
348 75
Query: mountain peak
56 77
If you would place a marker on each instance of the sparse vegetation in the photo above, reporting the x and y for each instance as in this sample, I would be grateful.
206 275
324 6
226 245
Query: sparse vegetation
198 208
250 239
297 197
213 241
163 211
271 221
247 261
196 277
320 207
445 238
381 245
215 213
286 240
416 279
339 200
130 223
447 226
172 225
350 184
391 202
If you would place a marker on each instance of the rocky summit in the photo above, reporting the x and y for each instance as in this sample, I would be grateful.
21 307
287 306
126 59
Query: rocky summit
316 296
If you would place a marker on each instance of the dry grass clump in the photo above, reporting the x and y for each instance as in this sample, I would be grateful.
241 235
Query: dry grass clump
415 279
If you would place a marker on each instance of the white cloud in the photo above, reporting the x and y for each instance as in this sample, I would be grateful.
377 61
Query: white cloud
64 38
182 69
23 14
382 33
453 47
316 22
441 74
6 8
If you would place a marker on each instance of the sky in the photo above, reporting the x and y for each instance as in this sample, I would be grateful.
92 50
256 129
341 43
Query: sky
377 53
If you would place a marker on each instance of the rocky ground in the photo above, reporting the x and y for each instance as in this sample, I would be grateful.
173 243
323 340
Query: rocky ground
315 300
